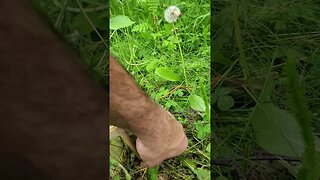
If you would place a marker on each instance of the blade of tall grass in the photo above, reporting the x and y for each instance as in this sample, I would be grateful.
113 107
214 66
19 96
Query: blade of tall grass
303 116
235 18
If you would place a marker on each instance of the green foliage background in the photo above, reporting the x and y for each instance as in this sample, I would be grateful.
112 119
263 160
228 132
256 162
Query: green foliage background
255 117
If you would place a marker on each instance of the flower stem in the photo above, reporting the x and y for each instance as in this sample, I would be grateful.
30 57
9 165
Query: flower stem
182 59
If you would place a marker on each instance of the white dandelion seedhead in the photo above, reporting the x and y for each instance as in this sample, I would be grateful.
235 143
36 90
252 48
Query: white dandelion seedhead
171 14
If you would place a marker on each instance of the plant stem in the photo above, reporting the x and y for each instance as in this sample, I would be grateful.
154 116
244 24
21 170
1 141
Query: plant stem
182 59
242 60
206 100
303 117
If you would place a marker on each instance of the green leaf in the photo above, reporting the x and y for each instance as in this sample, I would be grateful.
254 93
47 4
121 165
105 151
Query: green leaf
197 103
203 131
277 131
170 103
153 5
223 91
151 66
178 93
225 102
116 149
202 174
293 54
82 25
153 173
208 149
112 161
266 91
220 91
121 21
167 74
174 39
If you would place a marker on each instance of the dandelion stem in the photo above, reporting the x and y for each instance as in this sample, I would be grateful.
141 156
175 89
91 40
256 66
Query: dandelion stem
182 59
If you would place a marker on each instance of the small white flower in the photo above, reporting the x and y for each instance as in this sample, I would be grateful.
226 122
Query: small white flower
171 14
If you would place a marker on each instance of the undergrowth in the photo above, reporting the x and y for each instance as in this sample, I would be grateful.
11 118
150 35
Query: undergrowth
259 122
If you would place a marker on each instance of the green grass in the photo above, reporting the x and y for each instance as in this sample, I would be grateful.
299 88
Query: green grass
183 49
271 33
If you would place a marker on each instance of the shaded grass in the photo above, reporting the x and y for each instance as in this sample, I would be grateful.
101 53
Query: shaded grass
268 28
